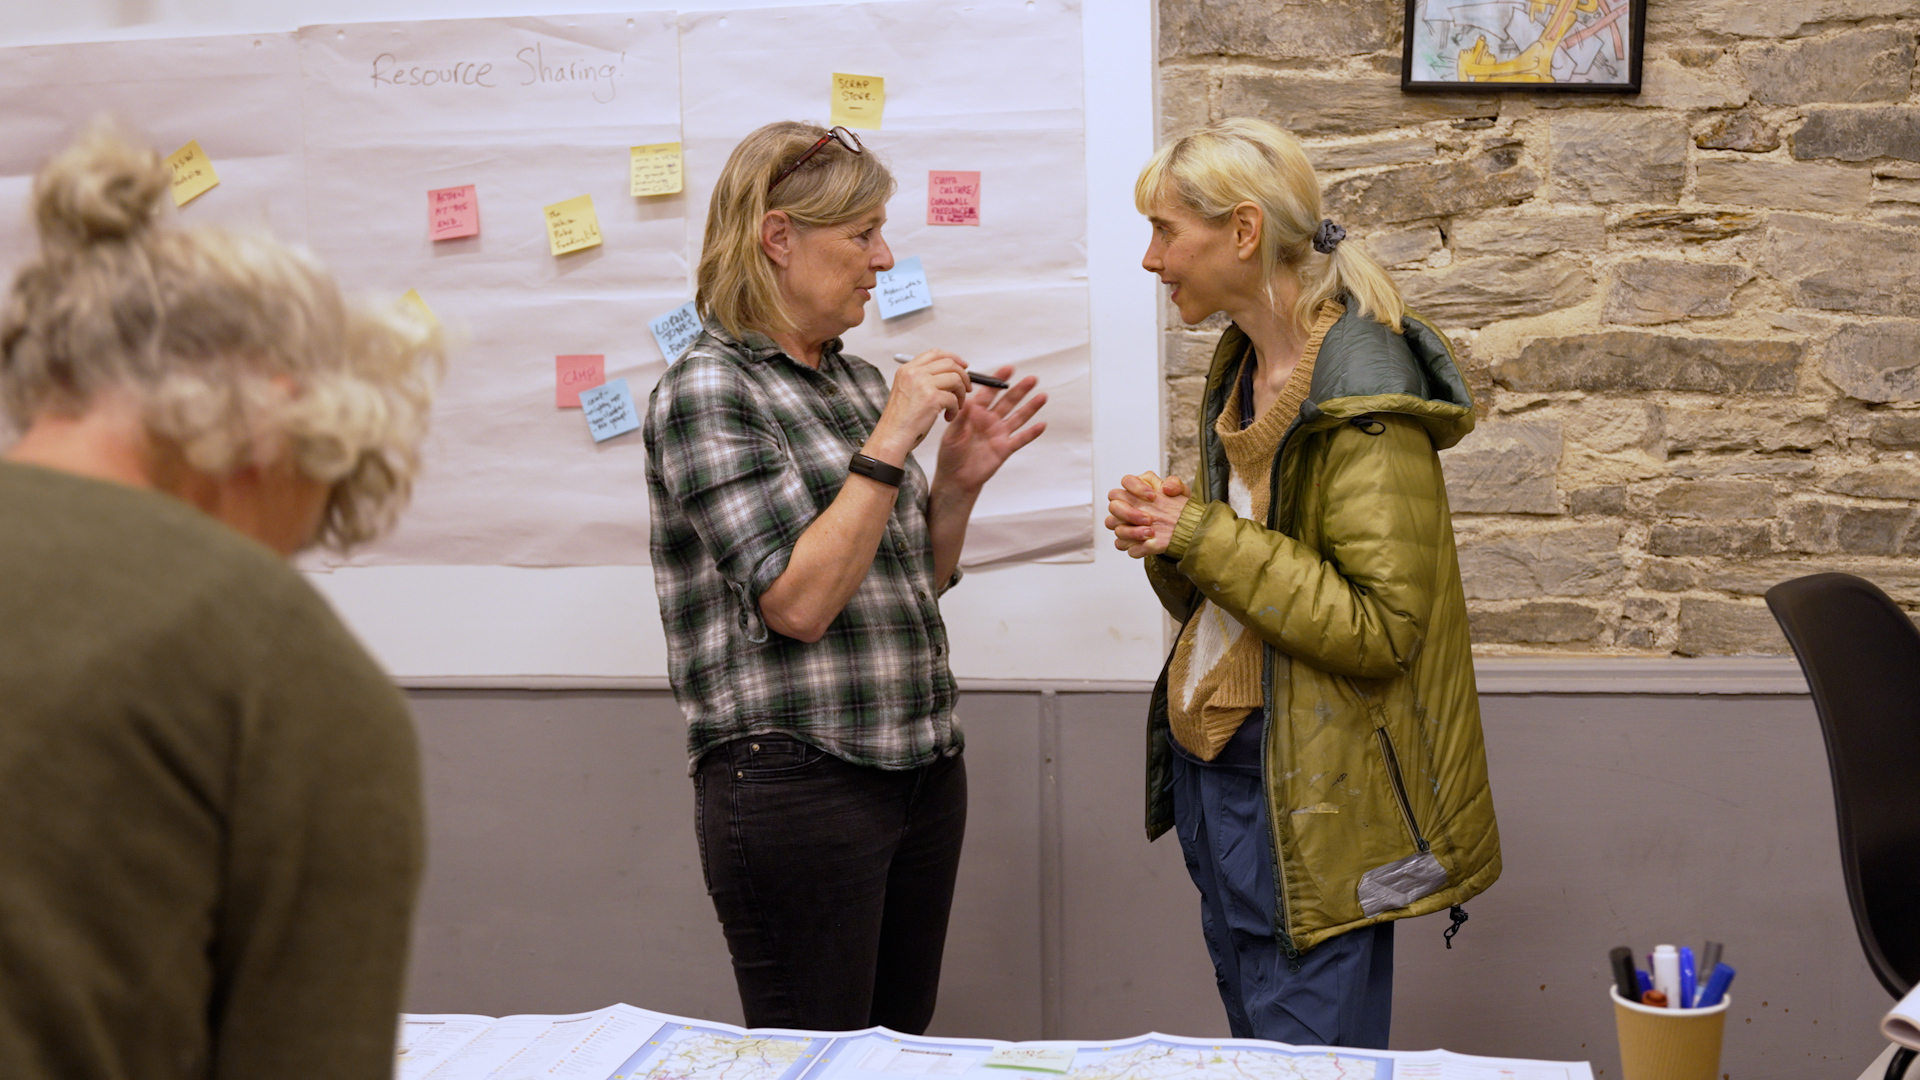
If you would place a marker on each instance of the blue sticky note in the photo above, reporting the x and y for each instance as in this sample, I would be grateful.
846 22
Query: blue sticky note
903 289
609 409
676 330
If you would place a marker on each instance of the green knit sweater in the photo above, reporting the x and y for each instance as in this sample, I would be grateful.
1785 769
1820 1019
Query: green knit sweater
210 823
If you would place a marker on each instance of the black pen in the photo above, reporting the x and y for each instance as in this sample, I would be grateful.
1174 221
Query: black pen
978 379
1624 979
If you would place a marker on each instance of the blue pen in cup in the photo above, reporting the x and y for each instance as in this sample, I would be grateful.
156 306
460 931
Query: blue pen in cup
1686 979
1716 987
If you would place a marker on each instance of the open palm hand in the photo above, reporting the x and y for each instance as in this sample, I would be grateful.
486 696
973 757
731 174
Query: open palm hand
992 425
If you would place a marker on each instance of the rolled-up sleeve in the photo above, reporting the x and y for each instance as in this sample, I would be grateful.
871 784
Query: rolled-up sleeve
726 467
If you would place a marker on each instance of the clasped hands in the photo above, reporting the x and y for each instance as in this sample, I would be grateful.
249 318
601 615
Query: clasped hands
1142 512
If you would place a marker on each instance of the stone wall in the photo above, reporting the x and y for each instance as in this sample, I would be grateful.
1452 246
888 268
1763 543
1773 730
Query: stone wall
1690 317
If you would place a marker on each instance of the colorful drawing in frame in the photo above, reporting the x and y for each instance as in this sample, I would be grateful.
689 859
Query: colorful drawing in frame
1590 46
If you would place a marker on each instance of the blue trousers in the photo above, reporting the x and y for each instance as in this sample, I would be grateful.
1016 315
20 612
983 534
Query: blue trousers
1342 994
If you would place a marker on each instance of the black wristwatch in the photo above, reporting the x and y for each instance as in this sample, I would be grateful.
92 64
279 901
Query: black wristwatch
875 469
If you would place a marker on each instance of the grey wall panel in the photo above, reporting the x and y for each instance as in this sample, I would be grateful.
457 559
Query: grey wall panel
1641 820
990 983
1134 960
562 870
563 873
564 876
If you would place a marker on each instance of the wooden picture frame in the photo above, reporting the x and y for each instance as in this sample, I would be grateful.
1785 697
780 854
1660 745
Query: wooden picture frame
1541 46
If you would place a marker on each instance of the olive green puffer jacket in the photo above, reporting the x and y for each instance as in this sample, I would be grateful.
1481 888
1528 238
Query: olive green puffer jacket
1375 768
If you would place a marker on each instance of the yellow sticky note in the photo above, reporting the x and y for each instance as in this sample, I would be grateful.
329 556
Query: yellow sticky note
193 174
858 100
656 169
413 305
572 225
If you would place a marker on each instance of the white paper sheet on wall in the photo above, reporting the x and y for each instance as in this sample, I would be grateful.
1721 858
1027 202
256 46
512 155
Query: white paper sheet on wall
994 87
238 96
531 112
335 136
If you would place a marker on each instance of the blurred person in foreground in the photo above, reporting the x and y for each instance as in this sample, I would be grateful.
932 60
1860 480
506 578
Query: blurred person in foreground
210 834
1315 737
800 553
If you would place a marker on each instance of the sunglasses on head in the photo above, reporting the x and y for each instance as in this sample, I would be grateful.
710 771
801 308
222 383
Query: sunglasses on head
834 134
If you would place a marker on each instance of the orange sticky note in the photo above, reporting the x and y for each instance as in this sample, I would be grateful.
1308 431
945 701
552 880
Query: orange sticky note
452 213
193 174
572 225
572 374
953 198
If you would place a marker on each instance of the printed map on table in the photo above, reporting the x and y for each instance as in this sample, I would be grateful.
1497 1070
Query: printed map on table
687 1052
1522 41
1169 1059
653 1046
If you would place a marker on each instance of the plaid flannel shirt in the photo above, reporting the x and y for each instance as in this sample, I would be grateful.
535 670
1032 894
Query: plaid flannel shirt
745 447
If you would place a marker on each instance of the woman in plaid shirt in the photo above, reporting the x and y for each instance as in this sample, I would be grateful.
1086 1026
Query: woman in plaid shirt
799 553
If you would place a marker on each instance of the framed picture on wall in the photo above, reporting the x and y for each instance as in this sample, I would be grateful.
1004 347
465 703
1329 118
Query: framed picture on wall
1573 46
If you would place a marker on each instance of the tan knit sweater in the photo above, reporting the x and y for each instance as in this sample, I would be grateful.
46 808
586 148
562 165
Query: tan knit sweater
1214 681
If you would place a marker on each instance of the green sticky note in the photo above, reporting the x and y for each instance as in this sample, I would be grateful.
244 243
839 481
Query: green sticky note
1046 1059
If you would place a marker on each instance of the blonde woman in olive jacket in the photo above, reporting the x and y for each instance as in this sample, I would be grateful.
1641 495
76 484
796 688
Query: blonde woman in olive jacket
1315 740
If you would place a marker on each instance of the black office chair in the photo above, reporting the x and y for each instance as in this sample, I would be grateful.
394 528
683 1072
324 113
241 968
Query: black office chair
1861 656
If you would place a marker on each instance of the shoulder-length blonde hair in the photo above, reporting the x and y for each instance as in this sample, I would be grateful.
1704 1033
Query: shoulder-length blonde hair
236 349
736 284
1213 170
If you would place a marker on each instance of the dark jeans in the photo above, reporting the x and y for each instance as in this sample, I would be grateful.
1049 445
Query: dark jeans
1341 992
832 881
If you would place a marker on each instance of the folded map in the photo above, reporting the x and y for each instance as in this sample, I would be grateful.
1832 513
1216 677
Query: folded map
625 1043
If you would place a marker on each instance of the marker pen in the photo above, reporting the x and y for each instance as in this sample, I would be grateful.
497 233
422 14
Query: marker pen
1666 973
1716 987
1623 974
978 379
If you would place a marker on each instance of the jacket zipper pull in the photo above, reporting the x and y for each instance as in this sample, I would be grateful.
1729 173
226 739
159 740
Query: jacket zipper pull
1459 915
1293 954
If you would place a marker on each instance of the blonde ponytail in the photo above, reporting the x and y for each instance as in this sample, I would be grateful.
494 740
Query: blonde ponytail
1349 269
1243 160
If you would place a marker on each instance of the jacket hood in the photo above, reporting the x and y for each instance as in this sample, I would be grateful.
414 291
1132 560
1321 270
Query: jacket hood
1364 367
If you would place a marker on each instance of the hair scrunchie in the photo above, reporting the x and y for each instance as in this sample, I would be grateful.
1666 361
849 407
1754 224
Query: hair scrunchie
1328 236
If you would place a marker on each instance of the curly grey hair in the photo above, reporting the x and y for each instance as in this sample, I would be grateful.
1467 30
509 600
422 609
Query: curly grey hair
236 349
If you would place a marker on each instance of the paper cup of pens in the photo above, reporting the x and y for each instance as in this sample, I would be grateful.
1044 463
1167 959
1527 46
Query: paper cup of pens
1670 1027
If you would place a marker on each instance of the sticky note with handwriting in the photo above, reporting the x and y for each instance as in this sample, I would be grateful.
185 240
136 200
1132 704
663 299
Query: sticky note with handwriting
655 169
414 307
953 198
609 409
572 374
858 100
1046 1059
903 289
572 225
452 213
193 174
676 330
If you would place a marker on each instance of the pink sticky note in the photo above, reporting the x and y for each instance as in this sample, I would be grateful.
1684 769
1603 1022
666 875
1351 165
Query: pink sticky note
572 374
953 198
452 213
